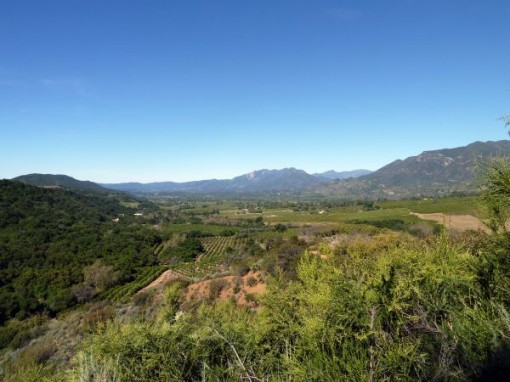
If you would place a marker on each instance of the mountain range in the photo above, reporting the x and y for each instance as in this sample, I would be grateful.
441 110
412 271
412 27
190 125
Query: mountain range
439 166
287 179
437 172
431 173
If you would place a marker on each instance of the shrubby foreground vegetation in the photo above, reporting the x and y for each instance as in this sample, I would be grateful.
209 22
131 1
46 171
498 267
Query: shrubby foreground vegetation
384 311
380 302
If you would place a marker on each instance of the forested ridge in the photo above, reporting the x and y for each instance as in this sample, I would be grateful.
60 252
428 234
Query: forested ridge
48 237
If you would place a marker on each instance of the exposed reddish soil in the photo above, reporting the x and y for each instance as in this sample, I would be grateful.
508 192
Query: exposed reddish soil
227 287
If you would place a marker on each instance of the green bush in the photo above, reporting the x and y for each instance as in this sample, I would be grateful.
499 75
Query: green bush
7 334
252 281
187 250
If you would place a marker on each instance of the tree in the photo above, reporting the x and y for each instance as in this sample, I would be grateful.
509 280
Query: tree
506 120
100 276
496 189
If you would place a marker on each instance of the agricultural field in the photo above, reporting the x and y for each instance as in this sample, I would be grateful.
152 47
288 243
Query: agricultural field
217 252
365 210
122 293
470 205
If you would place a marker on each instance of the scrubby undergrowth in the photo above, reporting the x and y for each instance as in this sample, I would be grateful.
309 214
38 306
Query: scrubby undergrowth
407 311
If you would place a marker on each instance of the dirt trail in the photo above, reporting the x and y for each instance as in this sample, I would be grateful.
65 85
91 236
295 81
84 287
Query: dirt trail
455 222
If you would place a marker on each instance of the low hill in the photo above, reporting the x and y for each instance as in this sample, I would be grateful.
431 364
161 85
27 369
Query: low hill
62 181
47 238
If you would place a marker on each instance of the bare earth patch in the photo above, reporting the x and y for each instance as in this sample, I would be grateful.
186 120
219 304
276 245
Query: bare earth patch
455 222
228 287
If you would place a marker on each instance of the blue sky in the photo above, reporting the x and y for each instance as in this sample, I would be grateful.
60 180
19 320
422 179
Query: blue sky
147 90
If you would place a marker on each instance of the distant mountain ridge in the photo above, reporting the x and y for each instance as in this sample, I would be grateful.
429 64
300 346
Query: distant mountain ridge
332 175
436 172
439 166
431 173
287 179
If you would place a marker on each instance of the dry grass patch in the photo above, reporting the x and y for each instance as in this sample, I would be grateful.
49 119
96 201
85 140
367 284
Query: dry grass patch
459 223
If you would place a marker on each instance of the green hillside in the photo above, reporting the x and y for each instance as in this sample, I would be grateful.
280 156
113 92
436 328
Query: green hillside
62 181
49 236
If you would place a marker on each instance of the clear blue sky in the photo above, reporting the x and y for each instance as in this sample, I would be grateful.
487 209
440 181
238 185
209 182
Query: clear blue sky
147 90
